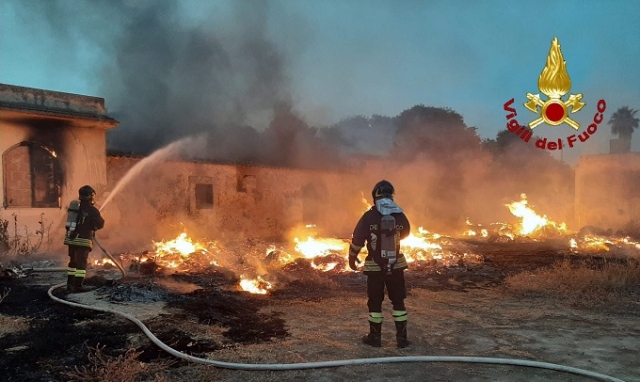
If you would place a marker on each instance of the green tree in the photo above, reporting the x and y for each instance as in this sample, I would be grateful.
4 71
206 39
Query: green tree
438 133
623 122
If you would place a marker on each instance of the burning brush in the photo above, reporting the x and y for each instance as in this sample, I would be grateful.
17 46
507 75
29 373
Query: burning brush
257 285
598 244
179 254
531 226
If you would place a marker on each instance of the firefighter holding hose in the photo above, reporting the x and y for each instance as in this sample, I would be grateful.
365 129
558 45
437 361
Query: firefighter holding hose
83 219
381 228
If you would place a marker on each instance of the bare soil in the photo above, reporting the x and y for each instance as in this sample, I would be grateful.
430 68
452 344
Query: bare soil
461 309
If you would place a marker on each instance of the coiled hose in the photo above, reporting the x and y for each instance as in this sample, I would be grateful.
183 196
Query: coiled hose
324 364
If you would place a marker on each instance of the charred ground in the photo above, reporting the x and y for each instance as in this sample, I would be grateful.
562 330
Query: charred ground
59 336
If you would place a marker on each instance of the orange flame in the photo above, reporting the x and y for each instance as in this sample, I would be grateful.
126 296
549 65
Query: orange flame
422 246
319 247
532 222
174 253
182 245
104 262
594 243
475 230
255 286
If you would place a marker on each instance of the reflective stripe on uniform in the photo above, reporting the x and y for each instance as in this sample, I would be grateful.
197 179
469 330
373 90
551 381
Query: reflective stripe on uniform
80 242
354 249
372 266
375 317
399 315
71 271
81 273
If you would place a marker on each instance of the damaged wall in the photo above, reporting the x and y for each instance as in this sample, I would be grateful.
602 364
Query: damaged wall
51 144
607 192
223 201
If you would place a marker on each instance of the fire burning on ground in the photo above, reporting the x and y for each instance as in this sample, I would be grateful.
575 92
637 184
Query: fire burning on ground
532 223
594 243
256 286
422 248
183 254
530 226
533 226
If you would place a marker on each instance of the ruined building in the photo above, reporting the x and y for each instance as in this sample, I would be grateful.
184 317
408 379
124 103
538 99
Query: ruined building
52 143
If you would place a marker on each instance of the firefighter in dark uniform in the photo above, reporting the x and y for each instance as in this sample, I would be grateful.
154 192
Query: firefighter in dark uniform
80 240
384 265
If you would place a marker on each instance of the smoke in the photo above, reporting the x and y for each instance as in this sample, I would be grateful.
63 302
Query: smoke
445 174
167 74
177 79
172 79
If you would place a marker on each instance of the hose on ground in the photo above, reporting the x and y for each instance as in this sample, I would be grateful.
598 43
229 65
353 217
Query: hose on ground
117 263
326 364
61 269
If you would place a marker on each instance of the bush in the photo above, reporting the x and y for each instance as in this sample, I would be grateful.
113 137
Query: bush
17 244
123 368
4 237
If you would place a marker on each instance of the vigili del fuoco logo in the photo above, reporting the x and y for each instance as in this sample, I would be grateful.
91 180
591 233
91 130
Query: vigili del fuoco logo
554 83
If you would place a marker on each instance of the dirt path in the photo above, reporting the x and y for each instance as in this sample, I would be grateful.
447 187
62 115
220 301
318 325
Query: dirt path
484 323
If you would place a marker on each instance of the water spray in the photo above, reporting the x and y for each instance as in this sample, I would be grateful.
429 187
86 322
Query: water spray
160 154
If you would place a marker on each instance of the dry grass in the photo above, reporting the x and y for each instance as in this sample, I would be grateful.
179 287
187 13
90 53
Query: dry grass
440 323
123 368
579 282
9 324
477 322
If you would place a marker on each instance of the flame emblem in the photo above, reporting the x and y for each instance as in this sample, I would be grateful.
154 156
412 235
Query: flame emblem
554 82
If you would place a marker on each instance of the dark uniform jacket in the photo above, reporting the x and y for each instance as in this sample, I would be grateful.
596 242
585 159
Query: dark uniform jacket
89 221
368 230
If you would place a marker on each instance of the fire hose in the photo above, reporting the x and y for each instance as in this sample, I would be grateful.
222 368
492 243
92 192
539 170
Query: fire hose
324 364
124 273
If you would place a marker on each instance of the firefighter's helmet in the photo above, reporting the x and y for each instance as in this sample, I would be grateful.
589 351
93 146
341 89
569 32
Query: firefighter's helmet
383 189
87 193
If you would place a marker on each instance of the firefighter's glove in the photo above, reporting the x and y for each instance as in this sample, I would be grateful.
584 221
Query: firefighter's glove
353 262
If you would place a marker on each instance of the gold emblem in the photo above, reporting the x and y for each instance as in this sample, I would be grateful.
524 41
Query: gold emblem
554 81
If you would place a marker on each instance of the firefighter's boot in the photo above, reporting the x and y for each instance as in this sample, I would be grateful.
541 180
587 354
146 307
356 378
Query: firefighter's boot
401 334
374 338
78 287
71 286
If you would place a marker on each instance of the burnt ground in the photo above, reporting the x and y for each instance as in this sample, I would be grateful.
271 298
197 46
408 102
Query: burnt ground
59 336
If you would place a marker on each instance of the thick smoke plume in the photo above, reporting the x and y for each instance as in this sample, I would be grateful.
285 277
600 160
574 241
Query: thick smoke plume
167 76
176 79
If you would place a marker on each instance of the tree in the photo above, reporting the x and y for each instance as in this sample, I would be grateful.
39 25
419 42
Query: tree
623 122
438 133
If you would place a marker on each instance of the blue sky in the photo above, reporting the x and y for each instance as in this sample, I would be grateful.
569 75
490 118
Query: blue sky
345 58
